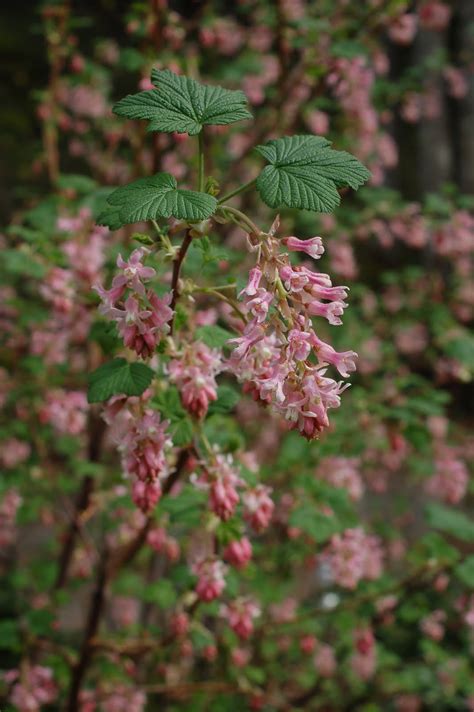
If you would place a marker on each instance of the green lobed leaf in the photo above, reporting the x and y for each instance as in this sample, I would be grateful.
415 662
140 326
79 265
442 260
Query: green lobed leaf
183 105
155 197
214 336
305 173
227 399
118 377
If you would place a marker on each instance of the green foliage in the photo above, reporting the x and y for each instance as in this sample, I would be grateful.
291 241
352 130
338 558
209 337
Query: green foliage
305 173
465 571
170 406
155 197
227 399
118 377
450 521
182 105
214 336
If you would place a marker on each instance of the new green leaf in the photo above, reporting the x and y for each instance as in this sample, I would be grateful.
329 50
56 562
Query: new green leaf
305 173
180 104
155 197
118 377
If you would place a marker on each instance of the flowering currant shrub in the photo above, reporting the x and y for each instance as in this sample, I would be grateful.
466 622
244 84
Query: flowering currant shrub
236 370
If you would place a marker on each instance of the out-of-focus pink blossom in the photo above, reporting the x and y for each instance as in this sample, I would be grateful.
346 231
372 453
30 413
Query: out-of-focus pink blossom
240 615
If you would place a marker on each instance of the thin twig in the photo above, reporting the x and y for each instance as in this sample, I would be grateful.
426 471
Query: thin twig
177 262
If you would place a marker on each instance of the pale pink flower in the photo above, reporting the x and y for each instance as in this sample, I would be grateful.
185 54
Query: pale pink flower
312 246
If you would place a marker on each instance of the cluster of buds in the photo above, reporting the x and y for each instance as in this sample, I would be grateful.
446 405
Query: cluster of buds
279 356
142 318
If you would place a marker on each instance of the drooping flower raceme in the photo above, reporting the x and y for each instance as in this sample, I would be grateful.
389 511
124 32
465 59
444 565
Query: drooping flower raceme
143 441
279 356
141 316
194 371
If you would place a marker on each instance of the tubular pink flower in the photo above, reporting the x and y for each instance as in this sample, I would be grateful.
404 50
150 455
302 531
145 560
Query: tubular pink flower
312 247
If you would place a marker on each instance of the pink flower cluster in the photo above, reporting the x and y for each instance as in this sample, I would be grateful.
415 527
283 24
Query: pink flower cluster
66 411
143 442
121 698
66 290
13 452
258 507
33 688
451 478
142 318
353 556
240 615
221 480
194 372
433 625
238 552
211 581
342 472
163 543
273 354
